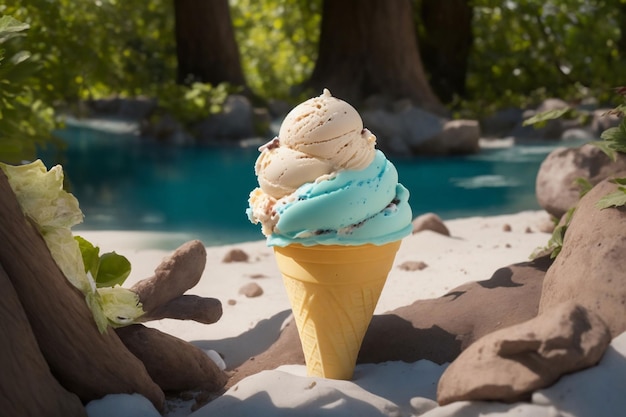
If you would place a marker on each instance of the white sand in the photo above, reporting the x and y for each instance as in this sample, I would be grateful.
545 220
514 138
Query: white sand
476 249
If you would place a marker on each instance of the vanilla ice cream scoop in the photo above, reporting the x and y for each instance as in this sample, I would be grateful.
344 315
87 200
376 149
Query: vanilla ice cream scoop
282 170
331 130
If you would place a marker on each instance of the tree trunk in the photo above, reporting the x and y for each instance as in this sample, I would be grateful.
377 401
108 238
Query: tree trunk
369 47
446 45
205 43
27 387
83 360
621 43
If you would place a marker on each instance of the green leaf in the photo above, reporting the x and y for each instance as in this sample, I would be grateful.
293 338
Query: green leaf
620 181
9 24
547 115
113 270
584 185
606 148
91 255
616 199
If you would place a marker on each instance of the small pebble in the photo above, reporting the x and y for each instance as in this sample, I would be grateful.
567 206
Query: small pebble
251 290
235 255
507 228
412 266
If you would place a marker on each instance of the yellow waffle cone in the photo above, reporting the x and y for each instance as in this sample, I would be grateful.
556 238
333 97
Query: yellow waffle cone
333 292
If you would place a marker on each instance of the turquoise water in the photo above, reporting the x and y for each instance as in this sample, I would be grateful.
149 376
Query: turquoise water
124 184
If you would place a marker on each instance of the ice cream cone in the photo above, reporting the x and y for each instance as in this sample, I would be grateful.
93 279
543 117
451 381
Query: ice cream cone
333 291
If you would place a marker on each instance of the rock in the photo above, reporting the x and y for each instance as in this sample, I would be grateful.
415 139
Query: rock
506 227
251 290
430 221
137 108
590 267
511 363
457 137
437 329
602 121
413 266
577 133
553 129
556 187
500 123
235 255
235 122
403 129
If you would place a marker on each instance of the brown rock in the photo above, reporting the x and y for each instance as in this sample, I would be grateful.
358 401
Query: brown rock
590 267
430 221
175 365
437 329
506 227
251 290
412 266
556 186
511 363
235 255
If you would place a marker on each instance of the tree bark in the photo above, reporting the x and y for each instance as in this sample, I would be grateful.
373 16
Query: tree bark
83 360
369 47
445 45
27 387
205 43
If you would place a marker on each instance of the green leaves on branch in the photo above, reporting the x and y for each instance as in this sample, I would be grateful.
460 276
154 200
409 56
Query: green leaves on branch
108 269
613 140
540 119
616 199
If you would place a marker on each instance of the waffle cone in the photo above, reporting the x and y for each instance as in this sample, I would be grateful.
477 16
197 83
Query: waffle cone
333 292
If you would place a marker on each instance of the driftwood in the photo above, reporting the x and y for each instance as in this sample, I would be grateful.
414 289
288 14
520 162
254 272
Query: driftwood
86 362
171 370
69 347
162 296
27 387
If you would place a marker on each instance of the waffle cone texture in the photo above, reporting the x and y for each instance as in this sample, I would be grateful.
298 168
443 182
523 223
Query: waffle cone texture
333 291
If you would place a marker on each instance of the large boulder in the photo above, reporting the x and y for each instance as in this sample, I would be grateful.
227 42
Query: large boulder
509 364
556 186
589 270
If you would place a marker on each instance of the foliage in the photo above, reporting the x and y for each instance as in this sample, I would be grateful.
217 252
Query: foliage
616 199
190 103
278 43
92 49
25 120
528 50
613 141
555 244
108 269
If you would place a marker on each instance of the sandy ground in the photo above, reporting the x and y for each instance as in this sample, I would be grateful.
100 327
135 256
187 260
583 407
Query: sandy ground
477 247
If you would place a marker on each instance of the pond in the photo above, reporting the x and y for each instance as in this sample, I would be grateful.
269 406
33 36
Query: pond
122 183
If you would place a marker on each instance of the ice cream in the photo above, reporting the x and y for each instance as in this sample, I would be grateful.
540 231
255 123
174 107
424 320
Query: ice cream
331 206
321 181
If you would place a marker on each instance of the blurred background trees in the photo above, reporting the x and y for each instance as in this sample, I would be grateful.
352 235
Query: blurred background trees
473 56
